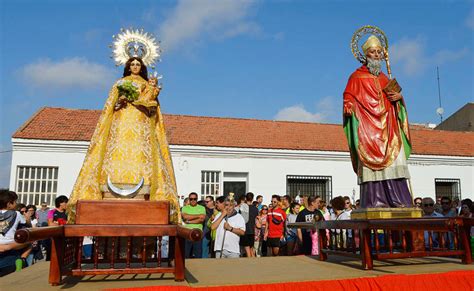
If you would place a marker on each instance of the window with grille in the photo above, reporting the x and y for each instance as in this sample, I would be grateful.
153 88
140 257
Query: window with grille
210 182
448 187
37 184
309 186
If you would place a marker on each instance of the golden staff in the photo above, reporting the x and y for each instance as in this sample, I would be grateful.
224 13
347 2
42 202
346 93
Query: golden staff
387 62
392 84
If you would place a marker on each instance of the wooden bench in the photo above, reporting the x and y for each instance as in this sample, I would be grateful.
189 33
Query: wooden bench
127 239
382 239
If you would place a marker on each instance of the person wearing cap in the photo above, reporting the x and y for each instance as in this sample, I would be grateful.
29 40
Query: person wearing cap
376 127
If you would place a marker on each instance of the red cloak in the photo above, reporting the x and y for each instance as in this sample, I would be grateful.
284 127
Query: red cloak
376 138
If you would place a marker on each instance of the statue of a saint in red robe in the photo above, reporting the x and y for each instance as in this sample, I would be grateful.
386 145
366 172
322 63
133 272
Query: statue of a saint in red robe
376 126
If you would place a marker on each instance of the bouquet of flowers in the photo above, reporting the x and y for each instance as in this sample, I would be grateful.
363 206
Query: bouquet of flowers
129 89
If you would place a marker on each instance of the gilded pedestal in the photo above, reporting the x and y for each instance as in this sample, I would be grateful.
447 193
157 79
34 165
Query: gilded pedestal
386 213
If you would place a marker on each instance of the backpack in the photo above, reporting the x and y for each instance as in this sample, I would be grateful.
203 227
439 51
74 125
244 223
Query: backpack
7 220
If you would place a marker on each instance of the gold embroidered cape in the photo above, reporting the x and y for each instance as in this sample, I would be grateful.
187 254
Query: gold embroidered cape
128 144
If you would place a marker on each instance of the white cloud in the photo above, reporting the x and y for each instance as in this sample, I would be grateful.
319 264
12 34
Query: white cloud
73 73
470 20
324 112
298 113
409 53
242 28
445 56
192 20
411 56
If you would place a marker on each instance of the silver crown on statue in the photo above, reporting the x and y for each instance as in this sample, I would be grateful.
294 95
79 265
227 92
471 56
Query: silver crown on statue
132 42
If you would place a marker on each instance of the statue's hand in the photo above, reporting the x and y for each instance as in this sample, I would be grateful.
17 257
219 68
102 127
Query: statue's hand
156 91
121 102
122 99
347 110
394 96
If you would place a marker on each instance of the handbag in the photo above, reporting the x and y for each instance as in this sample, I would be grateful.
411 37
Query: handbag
276 220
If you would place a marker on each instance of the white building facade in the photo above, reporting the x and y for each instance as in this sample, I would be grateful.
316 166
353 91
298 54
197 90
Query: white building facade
42 169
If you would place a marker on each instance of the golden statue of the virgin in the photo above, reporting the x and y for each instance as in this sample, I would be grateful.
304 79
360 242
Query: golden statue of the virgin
128 155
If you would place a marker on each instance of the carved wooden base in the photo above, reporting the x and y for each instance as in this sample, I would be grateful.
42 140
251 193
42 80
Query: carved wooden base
386 213
112 196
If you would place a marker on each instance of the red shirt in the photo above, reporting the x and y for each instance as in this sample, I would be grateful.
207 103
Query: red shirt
276 223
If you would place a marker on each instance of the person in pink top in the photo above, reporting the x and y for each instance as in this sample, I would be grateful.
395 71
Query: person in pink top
58 216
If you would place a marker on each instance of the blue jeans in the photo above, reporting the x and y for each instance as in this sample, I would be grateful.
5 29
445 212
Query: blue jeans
7 261
205 247
193 249
87 251
29 259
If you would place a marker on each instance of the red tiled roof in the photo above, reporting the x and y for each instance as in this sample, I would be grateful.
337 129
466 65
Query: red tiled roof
78 125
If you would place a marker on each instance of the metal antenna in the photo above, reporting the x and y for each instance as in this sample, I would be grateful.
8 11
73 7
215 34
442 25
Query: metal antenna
440 109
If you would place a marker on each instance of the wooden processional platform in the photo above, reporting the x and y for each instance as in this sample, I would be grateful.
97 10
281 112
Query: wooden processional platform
267 270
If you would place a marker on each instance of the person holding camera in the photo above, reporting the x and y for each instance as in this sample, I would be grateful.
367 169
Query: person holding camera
229 226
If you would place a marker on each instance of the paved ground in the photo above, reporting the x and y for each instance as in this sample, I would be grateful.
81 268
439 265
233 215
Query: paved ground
202 272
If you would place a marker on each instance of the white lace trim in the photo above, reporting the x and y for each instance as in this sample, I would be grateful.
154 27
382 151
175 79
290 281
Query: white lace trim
398 169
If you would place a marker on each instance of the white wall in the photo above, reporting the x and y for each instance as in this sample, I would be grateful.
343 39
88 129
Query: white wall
267 169
267 175
67 156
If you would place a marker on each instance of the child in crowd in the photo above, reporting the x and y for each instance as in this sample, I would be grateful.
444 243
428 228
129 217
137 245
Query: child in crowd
10 251
58 216
260 244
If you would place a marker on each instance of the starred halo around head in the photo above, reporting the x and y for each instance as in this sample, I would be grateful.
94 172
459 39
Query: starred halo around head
135 43
361 32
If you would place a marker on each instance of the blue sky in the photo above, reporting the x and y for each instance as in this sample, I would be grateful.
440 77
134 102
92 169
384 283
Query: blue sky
286 60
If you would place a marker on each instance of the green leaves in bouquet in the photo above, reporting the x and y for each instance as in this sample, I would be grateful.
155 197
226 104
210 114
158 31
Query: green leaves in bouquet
129 89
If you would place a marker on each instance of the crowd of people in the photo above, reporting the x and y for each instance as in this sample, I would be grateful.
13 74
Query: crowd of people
245 227
15 256
232 228
248 228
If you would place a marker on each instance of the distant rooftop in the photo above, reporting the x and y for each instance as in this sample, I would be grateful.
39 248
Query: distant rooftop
461 120
79 124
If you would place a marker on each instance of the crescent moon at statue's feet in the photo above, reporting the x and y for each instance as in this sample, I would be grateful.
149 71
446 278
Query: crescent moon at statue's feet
125 192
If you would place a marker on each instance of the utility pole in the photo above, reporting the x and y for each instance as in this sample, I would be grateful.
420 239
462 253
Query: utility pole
440 109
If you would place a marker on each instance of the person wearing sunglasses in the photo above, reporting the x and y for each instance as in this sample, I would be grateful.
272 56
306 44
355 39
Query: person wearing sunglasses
193 216
447 209
274 233
427 205
22 209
